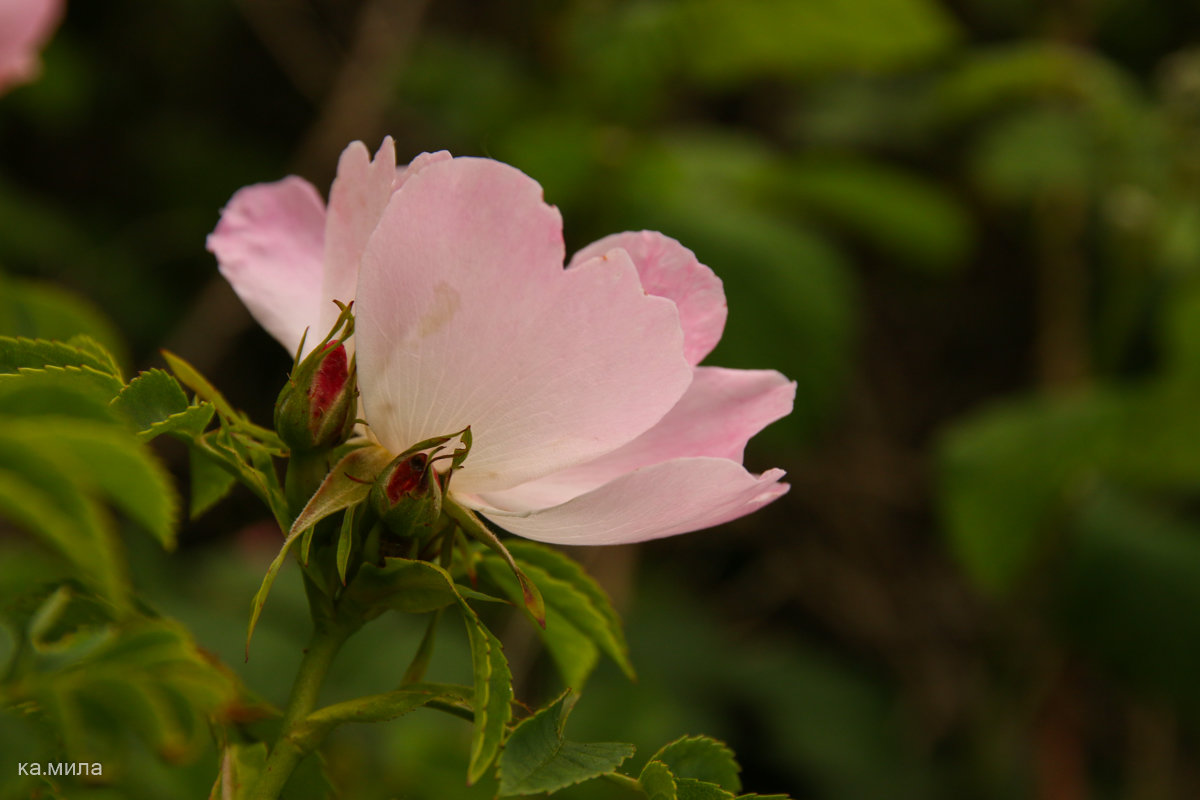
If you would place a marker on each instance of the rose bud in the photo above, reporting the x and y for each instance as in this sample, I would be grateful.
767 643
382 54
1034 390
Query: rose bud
317 408
407 495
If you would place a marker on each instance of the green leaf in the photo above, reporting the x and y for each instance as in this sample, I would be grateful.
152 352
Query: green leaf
153 404
210 482
17 354
65 617
537 757
1037 151
260 597
657 781
44 311
701 758
493 693
378 708
419 586
241 764
410 587
420 660
250 461
147 678
900 213
1004 472
89 345
561 567
1128 593
574 628
119 466
75 391
1034 70
187 424
691 789
46 491
78 532
729 42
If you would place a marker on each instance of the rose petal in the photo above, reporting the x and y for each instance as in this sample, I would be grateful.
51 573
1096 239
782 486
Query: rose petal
25 27
678 496
717 415
419 163
269 245
357 198
668 269
466 317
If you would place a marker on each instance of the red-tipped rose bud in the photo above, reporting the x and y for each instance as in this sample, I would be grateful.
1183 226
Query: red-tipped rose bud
407 495
317 408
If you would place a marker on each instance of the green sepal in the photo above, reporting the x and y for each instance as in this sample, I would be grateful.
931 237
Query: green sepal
538 758
347 484
307 417
460 453
339 491
407 496
345 543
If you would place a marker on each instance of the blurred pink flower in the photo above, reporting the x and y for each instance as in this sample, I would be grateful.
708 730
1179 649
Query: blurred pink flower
592 421
25 27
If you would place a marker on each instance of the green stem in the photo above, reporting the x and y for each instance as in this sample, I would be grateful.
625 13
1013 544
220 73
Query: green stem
623 780
286 754
305 471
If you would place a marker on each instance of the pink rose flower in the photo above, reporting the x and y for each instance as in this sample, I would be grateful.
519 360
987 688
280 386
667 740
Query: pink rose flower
592 421
25 27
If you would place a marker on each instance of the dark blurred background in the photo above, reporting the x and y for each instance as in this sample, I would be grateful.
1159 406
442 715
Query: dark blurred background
969 230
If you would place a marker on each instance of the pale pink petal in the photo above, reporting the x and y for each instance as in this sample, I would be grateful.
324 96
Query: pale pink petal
419 163
357 198
269 245
678 496
717 415
466 317
25 27
668 269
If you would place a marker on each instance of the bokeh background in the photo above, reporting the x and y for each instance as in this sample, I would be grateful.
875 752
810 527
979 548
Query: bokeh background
969 230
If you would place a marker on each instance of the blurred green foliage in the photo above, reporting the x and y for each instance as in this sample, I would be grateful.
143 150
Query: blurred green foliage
969 231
